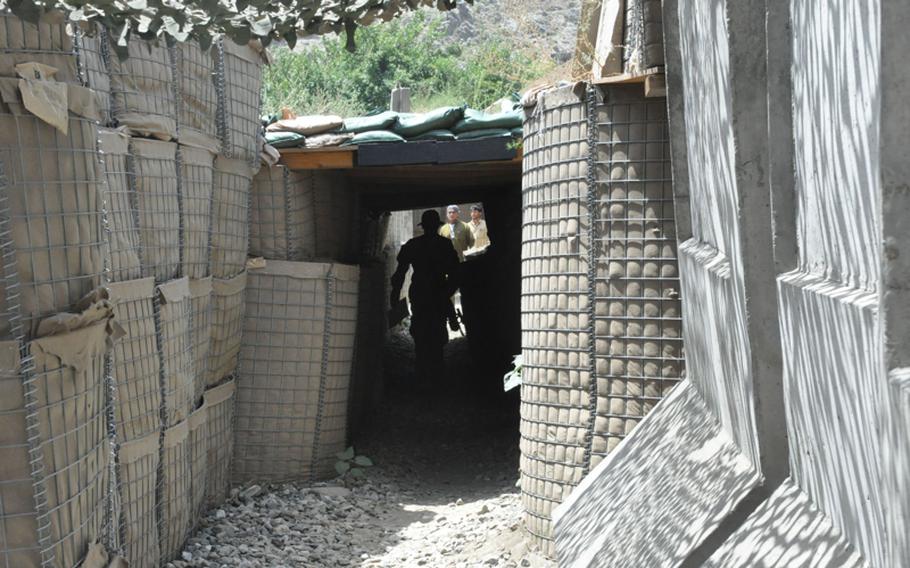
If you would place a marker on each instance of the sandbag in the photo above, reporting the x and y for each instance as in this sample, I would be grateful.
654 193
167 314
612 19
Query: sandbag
201 332
299 328
444 118
197 447
239 85
285 139
227 317
437 135
479 120
374 137
282 225
143 89
154 175
135 365
220 402
307 125
122 250
196 184
486 133
197 101
175 343
379 121
230 217
139 519
176 494
54 210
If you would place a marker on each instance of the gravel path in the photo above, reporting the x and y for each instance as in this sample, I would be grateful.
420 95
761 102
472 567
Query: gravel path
442 494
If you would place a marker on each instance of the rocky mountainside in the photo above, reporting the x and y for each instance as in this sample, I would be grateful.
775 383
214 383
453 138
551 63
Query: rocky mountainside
550 24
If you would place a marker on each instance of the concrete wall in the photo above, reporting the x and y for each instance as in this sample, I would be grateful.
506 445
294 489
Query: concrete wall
795 296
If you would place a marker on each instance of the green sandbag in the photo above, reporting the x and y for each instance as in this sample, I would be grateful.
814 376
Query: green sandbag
285 139
485 133
437 135
518 132
374 137
411 125
379 121
479 120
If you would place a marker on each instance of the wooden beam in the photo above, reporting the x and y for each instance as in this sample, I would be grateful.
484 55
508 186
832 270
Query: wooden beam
629 78
319 159
656 86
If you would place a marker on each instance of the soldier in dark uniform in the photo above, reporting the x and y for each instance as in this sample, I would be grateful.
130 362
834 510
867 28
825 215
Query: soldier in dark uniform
433 283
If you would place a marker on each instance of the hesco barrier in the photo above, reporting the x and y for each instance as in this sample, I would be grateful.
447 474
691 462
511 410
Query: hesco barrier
220 403
196 179
176 490
143 90
230 217
298 347
122 247
200 332
239 85
140 523
175 350
197 103
153 174
227 323
198 448
601 328
282 214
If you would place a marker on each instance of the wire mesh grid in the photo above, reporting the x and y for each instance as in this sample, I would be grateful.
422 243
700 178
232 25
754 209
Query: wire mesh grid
282 225
135 361
200 332
46 42
633 36
653 34
67 374
122 246
92 42
230 217
139 484
637 307
153 177
143 89
54 197
176 504
175 349
198 446
556 374
239 86
227 326
196 180
220 403
298 341
197 101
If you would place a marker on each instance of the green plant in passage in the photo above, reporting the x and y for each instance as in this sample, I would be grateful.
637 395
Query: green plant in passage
351 464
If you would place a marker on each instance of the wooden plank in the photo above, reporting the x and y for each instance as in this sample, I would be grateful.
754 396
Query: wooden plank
628 78
397 154
319 159
656 86
481 150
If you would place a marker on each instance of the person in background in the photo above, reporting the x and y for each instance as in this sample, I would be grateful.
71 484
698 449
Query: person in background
458 232
479 228
435 280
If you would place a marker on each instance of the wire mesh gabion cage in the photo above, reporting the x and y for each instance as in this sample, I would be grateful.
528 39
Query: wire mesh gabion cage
143 93
282 214
220 403
230 217
239 86
196 179
46 41
600 304
200 332
175 349
227 326
198 448
296 359
197 103
139 486
176 502
122 246
153 170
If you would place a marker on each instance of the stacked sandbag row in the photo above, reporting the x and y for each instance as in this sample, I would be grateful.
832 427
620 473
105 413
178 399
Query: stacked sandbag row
600 305
292 396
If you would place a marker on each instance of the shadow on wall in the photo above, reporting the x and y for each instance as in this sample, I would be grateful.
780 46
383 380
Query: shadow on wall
786 531
708 474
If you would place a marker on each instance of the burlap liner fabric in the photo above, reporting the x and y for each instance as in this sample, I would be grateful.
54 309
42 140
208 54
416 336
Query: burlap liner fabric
143 91
220 403
46 42
292 389
282 217
198 448
175 345
239 77
122 250
176 502
54 209
68 381
333 215
197 105
135 363
230 217
227 324
196 179
18 517
200 332
139 522
154 176
90 48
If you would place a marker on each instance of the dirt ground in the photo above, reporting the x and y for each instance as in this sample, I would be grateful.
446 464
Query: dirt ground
442 492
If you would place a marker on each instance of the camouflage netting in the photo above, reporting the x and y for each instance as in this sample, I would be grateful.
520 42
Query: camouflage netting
298 348
601 329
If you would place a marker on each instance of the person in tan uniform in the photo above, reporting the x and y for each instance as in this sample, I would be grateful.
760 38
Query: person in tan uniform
458 232
479 228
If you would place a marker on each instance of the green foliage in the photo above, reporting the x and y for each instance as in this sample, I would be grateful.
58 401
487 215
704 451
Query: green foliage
351 464
411 52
